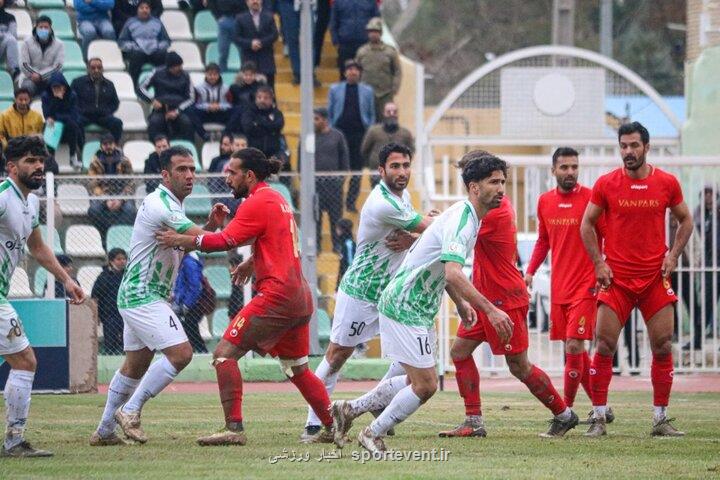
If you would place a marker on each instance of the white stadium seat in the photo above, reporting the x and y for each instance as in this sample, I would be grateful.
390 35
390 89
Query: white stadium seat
170 4
192 60
109 52
80 199
87 276
20 284
177 25
83 241
123 85
210 150
24 22
132 115
197 78
137 151
37 106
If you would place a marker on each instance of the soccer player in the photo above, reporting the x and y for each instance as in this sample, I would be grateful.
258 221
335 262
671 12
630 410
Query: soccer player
412 299
495 274
276 321
381 248
149 322
574 293
19 211
636 268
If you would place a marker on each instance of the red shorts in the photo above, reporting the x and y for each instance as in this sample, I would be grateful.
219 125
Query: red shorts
573 320
483 331
649 294
253 328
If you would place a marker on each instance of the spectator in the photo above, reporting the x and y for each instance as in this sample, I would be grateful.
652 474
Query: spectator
19 119
263 123
124 10
188 301
41 55
380 134
174 93
60 104
344 233
348 19
212 105
152 163
93 21
289 11
247 81
255 34
8 41
707 223
237 292
380 65
217 184
67 264
322 20
225 12
239 142
109 161
105 291
143 40
351 106
98 100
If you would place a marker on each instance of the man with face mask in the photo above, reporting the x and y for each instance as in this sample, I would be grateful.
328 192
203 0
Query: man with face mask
41 55
380 134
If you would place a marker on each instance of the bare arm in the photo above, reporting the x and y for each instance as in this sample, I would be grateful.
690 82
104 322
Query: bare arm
603 274
682 235
465 310
46 258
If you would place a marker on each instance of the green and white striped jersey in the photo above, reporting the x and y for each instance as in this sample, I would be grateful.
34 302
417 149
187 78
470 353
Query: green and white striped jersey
151 269
18 218
374 264
414 294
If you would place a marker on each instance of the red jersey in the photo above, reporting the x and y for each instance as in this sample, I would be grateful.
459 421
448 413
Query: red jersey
635 217
559 216
267 218
495 272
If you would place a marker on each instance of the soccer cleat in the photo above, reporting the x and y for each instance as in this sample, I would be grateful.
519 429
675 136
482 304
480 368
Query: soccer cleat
342 418
609 417
370 442
317 434
597 428
130 424
468 428
663 428
24 450
225 437
97 441
558 428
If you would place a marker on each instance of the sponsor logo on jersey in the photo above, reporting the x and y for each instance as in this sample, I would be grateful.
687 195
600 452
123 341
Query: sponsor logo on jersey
565 205
455 247
638 187
642 203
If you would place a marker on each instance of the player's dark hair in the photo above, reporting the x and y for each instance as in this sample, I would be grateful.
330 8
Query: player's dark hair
634 127
21 90
564 152
114 252
19 147
471 156
174 151
392 147
478 165
254 160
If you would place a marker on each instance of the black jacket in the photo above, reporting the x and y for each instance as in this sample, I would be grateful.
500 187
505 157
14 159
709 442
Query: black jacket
124 9
104 104
152 165
243 95
105 292
267 34
263 129
174 91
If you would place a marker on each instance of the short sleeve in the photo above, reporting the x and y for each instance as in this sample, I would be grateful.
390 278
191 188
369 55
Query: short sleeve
176 220
675 192
36 207
598 194
458 233
398 214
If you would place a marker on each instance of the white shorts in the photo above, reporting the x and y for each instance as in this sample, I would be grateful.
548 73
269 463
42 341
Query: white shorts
414 346
12 333
154 326
355 321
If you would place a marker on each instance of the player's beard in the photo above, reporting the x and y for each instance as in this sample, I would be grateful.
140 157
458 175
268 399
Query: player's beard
568 182
240 192
33 180
639 162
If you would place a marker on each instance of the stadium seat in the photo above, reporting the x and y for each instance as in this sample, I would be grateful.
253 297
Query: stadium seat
205 27
109 52
219 278
45 4
62 157
212 54
88 152
83 241
220 322
210 150
73 56
177 25
24 22
119 236
86 276
6 86
195 206
37 106
190 53
140 194
61 25
190 146
324 326
170 4
39 281
73 199
137 151
132 115
284 191
57 246
141 79
20 284
4 105
123 85
71 75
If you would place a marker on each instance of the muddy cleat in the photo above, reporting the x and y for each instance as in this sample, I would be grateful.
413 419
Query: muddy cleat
318 434
558 428
342 418
597 428
97 441
663 428
370 442
225 437
24 450
130 424
609 417
468 428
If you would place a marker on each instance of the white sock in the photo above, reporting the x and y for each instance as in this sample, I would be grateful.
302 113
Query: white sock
119 390
565 415
159 375
394 370
404 404
659 413
17 405
380 396
600 411
323 372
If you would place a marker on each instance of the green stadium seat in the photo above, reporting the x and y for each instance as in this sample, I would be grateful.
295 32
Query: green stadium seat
324 326
73 56
39 281
198 207
190 146
118 236
219 278
57 246
6 86
220 322
205 27
4 105
284 191
71 75
45 4
60 23
89 150
228 78
212 54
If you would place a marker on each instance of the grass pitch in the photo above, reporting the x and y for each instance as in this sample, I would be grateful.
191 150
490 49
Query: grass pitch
273 423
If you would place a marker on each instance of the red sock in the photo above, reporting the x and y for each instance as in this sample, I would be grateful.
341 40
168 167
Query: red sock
573 375
230 386
313 390
661 373
600 376
540 385
585 380
468 380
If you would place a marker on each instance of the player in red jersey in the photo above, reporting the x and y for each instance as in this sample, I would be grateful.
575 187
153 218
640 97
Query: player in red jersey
636 269
574 293
496 276
276 321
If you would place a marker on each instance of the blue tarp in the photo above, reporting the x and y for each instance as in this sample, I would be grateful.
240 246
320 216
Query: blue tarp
640 108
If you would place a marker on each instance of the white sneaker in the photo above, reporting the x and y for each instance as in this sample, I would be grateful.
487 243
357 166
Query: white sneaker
370 442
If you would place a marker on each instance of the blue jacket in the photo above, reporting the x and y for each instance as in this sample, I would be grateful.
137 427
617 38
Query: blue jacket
65 110
336 103
188 286
95 10
348 19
